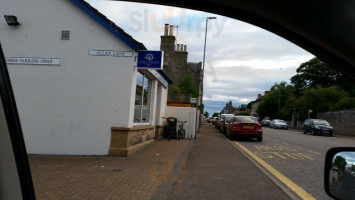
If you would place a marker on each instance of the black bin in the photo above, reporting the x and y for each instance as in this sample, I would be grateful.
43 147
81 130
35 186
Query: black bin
171 128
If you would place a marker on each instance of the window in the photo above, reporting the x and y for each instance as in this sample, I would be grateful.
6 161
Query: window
65 34
142 102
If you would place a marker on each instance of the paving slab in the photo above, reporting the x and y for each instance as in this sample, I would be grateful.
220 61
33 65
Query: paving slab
209 167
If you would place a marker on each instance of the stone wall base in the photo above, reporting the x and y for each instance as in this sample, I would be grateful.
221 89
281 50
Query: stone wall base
124 152
159 129
126 141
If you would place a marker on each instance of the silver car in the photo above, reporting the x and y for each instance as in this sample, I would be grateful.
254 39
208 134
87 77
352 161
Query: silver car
278 123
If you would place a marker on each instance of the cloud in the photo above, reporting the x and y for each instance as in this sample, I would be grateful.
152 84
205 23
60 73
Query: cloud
241 62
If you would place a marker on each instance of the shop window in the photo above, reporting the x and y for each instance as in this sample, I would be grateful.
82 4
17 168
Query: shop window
142 102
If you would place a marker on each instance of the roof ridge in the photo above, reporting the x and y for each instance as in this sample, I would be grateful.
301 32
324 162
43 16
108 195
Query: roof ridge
110 25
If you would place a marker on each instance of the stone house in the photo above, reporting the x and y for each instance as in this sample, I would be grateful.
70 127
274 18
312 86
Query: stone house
176 66
255 104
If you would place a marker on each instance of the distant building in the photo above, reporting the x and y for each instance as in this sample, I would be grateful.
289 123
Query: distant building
229 108
255 104
176 66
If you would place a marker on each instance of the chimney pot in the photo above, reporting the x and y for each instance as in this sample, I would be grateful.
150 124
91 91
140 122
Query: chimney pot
166 29
185 48
171 32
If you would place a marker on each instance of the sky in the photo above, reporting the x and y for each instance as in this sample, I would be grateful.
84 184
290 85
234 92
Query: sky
241 60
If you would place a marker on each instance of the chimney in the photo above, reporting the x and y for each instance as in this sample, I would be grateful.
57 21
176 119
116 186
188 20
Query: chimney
166 29
259 96
171 33
185 48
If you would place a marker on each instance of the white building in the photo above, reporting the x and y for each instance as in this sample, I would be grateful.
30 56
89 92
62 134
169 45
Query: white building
74 77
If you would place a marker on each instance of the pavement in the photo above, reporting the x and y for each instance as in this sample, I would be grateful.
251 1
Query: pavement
209 167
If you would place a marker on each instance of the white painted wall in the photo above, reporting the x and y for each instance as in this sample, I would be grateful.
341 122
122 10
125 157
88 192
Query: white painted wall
67 109
162 94
184 114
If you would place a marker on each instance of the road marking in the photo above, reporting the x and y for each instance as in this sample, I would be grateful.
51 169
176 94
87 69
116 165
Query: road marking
304 155
293 186
283 155
274 148
314 152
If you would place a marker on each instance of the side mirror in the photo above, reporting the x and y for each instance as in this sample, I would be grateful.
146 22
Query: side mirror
339 173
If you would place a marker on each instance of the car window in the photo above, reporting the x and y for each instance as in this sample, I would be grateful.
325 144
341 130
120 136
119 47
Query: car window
227 119
246 120
320 122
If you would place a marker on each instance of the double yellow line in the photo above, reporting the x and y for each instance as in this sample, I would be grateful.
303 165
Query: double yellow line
293 186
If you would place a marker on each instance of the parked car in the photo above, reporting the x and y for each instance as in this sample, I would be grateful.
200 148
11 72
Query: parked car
214 120
220 119
265 122
278 123
244 126
226 120
317 127
209 120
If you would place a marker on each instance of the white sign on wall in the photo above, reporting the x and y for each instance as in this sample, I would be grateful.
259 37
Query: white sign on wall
115 53
193 100
33 61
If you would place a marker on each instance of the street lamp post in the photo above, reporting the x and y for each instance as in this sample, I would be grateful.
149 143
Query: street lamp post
204 55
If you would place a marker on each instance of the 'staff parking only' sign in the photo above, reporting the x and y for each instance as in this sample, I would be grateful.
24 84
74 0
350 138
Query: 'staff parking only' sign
150 59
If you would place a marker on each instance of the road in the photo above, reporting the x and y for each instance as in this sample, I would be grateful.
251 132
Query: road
295 160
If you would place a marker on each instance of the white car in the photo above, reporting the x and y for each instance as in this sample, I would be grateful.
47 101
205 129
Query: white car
278 123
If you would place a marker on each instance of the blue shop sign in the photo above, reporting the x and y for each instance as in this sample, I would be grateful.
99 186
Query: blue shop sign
150 59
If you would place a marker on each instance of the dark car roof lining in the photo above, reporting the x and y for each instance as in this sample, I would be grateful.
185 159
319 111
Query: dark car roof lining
324 28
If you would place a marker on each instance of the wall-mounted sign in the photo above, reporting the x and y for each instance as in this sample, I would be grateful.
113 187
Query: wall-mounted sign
93 52
33 61
150 59
193 100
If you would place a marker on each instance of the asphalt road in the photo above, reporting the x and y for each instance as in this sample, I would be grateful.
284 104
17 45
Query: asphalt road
297 157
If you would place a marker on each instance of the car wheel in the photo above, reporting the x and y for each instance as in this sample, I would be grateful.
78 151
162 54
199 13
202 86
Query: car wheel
230 136
330 134
313 132
259 139
304 131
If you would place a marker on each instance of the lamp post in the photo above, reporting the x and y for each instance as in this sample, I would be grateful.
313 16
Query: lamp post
278 109
204 55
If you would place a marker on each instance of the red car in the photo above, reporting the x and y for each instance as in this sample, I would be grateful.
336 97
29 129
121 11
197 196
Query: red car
244 126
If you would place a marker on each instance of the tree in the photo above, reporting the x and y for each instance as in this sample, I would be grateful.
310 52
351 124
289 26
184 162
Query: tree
320 99
175 90
187 86
340 163
316 72
215 114
206 114
274 103
243 107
